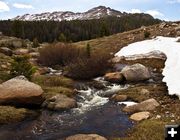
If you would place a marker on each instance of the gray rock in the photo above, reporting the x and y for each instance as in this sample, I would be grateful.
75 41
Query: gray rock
59 103
6 51
115 77
17 43
136 72
21 51
119 98
86 137
19 91
140 116
147 105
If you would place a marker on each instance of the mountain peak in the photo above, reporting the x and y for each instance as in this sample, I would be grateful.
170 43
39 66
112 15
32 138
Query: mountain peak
94 13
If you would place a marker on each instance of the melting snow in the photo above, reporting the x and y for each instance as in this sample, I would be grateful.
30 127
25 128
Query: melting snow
127 103
168 46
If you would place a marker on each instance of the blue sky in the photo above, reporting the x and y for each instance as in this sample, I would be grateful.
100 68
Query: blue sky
163 9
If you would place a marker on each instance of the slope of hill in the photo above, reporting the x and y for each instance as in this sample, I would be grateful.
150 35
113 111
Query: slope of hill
115 42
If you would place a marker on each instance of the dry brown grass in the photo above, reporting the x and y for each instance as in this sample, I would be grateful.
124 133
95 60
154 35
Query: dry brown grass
115 42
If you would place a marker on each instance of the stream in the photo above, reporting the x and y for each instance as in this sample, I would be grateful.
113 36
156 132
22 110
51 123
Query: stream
94 114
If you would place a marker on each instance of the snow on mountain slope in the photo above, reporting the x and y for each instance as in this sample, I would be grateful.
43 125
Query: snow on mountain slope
168 46
94 13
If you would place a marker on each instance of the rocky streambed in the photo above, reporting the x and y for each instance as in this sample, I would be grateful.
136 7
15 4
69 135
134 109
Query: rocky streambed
94 114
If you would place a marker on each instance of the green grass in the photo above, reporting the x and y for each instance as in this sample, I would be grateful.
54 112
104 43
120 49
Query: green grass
4 74
136 93
147 130
10 114
53 81
54 85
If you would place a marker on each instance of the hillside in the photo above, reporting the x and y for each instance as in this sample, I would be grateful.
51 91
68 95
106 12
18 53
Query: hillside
135 105
115 42
75 30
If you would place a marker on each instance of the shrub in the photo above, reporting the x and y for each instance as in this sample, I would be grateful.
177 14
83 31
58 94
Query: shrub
147 34
59 54
88 68
88 50
21 66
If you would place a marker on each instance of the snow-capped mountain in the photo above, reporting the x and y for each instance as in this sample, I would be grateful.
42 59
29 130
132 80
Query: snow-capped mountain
94 13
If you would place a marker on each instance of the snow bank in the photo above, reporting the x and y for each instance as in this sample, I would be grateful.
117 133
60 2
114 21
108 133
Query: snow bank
168 46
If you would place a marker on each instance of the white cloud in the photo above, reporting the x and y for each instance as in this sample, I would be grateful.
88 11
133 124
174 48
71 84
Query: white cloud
135 11
154 13
22 6
4 7
173 1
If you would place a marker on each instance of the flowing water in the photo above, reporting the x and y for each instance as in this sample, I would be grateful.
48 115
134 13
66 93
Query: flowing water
95 114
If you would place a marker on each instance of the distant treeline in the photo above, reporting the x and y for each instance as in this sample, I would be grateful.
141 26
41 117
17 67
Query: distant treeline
77 30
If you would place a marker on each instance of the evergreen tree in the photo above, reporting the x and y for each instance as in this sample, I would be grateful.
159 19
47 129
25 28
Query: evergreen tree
17 28
35 43
88 50
21 66
62 38
104 31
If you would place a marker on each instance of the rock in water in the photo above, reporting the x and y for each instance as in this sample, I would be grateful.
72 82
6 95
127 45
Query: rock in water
140 116
136 72
60 103
147 105
115 77
19 91
86 137
119 98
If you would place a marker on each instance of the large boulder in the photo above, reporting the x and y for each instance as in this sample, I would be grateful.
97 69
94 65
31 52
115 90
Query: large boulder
59 103
115 77
147 105
86 137
140 116
19 91
136 72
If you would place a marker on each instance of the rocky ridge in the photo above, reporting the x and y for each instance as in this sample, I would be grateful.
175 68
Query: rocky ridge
94 13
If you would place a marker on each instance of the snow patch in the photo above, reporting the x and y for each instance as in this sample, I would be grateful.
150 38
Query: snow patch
127 103
168 46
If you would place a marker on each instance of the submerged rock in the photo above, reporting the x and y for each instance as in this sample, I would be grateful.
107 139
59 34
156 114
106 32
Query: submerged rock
86 137
60 102
140 116
115 77
119 98
147 105
19 91
136 72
